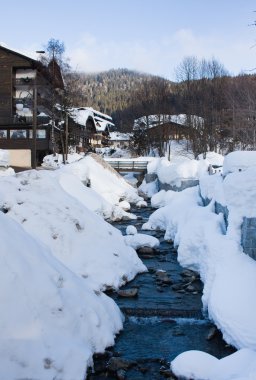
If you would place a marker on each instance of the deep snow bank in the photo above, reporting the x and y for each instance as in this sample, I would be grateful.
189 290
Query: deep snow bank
110 187
51 320
79 238
228 274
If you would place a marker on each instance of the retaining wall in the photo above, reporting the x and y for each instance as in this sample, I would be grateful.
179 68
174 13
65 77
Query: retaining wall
186 183
248 237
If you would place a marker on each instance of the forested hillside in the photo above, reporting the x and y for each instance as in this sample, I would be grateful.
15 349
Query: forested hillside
115 92
111 90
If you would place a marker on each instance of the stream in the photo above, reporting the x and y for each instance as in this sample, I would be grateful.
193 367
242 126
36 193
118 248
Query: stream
163 320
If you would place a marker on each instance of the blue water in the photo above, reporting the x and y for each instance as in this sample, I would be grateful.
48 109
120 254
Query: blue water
159 325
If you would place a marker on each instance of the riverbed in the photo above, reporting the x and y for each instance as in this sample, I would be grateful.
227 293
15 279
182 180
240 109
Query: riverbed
163 320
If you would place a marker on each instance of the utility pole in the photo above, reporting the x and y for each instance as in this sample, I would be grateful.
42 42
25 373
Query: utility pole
34 161
66 136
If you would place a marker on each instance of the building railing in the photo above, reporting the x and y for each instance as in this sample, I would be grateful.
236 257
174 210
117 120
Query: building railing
22 120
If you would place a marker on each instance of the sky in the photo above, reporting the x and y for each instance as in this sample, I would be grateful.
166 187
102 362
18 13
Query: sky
151 36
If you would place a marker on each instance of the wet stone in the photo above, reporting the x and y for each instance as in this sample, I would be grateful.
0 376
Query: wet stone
146 251
116 363
132 292
188 273
212 333
166 372
121 374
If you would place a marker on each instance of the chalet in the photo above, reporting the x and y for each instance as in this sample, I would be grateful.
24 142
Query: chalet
82 128
96 126
104 124
120 140
163 128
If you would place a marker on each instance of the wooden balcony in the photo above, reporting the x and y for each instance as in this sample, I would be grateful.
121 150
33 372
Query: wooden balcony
22 120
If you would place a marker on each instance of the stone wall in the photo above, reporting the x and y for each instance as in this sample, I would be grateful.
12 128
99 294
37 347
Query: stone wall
219 208
248 237
150 177
248 229
186 183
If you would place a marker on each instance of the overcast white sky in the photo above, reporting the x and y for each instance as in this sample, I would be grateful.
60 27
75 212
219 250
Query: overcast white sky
146 35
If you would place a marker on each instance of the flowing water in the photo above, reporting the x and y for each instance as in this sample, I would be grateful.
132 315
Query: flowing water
163 320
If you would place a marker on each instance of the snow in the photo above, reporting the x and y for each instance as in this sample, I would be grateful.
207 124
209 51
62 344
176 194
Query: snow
124 205
131 230
118 136
79 238
6 172
4 157
141 204
131 179
107 188
137 241
174 172
238 161
69 254
198 365
81 115
213 158
229 276
193 364
52 321
153 120
149 189
54 162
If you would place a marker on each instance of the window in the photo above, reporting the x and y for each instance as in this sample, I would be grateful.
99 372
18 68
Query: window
3 134
18 134
40 134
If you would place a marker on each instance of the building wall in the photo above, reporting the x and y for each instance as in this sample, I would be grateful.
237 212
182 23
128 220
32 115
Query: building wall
20 158
8 61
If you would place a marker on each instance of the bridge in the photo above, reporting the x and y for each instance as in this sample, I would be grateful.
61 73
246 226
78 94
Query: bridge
128 166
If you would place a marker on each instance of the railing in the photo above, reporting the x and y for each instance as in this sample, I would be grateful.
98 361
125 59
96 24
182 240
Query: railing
128 165
22 120
24 81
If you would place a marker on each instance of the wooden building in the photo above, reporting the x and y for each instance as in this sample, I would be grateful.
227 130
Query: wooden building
26 86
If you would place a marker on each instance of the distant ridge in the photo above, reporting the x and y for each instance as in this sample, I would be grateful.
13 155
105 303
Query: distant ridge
111 90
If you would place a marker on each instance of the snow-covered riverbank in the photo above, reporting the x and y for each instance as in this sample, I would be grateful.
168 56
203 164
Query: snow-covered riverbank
229 275
57 255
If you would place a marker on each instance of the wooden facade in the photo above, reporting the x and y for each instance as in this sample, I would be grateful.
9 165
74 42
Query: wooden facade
25 85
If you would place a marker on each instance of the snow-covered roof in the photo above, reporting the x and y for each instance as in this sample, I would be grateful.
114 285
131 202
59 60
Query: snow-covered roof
120 136
101 120
81 115
101 125
99 113
153 120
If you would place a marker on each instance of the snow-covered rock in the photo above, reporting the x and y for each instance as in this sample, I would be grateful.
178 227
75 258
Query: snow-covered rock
137 241
131 230
201 366
239 161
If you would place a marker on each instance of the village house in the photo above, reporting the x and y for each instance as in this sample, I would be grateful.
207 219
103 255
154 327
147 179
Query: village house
120 140
32 122
97 126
